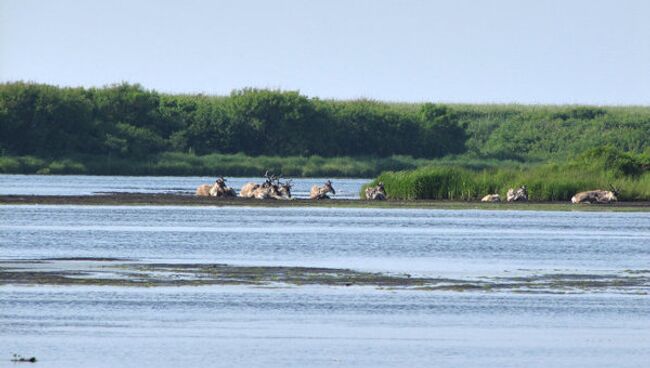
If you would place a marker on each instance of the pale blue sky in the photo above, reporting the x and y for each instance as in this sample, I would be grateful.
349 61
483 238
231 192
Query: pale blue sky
581 51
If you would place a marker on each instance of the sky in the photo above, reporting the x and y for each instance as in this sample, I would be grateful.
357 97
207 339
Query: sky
498 51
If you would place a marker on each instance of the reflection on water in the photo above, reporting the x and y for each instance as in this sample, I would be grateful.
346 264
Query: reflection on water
319 326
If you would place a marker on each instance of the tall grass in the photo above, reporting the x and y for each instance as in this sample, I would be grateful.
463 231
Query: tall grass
548 182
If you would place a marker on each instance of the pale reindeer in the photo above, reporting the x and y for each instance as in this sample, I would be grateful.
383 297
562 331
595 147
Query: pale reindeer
596 196
218 189
518 195
321 192
491 198
376 193
272 188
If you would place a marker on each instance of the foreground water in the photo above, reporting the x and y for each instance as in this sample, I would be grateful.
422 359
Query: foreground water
97 185
321 326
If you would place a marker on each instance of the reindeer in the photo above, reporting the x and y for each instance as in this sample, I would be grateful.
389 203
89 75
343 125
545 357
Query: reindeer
284 189
376 193
272 188
321 192
252 190
519 195
492 198
597 196
218 189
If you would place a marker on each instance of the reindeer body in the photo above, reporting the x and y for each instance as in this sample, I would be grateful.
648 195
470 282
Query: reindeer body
519 195
284 190
203 190
317 192
248 190
377 193
493 198
268 190
595 196
218 189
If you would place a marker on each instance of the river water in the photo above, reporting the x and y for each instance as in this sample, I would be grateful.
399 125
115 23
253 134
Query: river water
325 326
93 185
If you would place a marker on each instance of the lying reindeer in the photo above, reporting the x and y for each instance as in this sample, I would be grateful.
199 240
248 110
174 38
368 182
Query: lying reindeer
376 193
321 192
493 198
218 189
519 195
596 196
284 189
271 189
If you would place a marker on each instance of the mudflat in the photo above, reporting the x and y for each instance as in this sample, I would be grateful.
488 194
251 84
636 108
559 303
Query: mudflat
190 200
134 273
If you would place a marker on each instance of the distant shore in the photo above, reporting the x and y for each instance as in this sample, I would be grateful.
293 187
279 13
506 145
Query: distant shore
127 199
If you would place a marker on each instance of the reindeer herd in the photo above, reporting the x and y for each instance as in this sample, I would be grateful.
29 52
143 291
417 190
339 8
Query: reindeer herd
591 196
274 188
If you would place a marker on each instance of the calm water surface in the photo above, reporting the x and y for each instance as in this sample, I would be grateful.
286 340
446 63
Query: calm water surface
328 326
88 185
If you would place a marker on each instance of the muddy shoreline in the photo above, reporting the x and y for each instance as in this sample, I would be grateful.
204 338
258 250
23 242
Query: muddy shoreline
134 273
190 200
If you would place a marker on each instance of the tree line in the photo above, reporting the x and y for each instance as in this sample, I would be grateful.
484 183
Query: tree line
130 122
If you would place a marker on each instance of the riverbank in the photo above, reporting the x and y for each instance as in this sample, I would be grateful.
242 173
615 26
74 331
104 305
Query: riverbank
139 199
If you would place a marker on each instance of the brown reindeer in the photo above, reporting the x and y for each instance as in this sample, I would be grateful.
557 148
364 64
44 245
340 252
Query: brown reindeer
321 192
596 196
519 195
284 189
376 193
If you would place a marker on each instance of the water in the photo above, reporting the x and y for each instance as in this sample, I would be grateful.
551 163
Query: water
320 327
428 242
324 326
89 185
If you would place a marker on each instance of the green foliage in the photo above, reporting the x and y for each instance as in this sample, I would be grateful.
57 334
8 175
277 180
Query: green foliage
125 128
128 121
596 169
63 167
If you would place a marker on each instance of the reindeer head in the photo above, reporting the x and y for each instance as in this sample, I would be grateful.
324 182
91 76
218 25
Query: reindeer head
268 183
613 193
328 187
285 188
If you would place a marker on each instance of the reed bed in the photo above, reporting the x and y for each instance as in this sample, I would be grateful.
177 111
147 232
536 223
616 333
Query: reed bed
549 182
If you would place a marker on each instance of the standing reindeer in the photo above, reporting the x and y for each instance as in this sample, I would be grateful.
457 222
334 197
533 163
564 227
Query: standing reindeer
321 192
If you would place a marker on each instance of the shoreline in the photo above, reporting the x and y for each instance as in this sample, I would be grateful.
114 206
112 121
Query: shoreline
139 199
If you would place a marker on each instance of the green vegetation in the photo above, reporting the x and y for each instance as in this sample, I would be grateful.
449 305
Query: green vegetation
596 168
125 129
177 163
